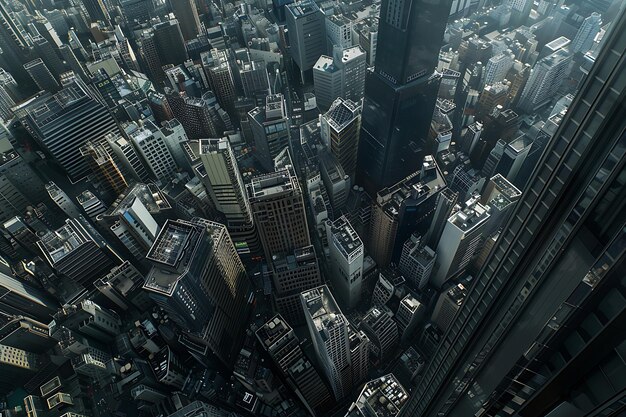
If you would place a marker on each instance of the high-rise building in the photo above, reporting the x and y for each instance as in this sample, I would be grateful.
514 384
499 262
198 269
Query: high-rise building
401 93
346 253
63 122
446 202
585 37
169 42
293 273
341 75
198 278
254 79
460 241
410 313
187 15
278 209
535 333
17 366
544 81
41 75
498 67
104 168
225 188
77 252
448 303
339 31
270 127
201 117
513 158
403 209
97 10
25 333
340 130
138 10
127 157
220 77
381 397
8 94
281 343
150 144
335 179
330 333
306 24
416 262
18 298
136 216
382 331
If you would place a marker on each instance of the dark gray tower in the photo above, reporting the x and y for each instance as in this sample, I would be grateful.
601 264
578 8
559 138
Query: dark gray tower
538 330
401 92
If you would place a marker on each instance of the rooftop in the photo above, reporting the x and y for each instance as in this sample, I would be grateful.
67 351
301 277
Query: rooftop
342 113
322 308
272 331
382 397
303 8
470 218
172 252
457 293
63 241
417 186
345 237
149 195
274 184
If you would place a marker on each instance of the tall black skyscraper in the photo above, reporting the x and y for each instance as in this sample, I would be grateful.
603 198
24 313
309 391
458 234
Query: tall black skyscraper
541 331
401 92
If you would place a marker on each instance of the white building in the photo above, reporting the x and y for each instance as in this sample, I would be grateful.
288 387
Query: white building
339 31
151 145
346 261
416 262
497 67
342 75
338 348
460 241
589 29
544 81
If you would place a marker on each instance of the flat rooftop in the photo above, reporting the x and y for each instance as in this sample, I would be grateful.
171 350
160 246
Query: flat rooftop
382 397
345 237
322 308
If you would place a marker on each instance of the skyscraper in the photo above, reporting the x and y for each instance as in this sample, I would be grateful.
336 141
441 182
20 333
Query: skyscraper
198 278
104 168
8 94
417 262
460 241
583 41
270 127
225 187
535 332
278 209
340 75
75 252
403 209
330 333
65 121
187 15
340 129
18 298
42 76
307 33
346 261
283 346
401 93
544 81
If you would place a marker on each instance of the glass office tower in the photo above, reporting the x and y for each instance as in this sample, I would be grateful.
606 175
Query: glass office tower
541 330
